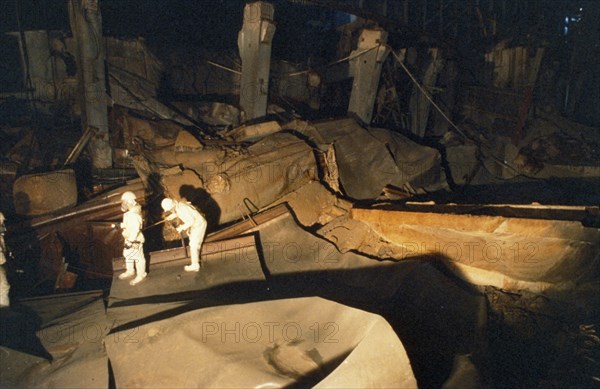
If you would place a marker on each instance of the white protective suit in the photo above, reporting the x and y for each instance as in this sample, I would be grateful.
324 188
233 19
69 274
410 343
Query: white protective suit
133 252
194 224
4 285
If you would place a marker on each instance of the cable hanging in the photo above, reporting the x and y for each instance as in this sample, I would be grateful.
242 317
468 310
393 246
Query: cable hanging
454 126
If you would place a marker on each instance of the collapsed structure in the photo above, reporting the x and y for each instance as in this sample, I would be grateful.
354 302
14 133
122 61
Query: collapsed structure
411 214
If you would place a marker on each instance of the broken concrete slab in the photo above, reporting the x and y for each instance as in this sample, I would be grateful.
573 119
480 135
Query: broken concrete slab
510 253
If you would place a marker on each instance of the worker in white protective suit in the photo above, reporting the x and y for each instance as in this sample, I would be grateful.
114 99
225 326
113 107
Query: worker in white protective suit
4 285
131 227
194 224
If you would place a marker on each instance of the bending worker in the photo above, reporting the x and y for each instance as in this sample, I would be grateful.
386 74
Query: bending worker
133 250
4 285
193 223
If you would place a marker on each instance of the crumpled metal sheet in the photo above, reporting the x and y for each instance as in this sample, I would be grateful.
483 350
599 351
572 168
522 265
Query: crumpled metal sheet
369 159
304 341
55 342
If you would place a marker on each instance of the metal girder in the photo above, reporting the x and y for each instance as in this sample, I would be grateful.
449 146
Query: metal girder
208 249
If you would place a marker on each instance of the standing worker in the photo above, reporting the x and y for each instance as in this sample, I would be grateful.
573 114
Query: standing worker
4 285
133 250
193 223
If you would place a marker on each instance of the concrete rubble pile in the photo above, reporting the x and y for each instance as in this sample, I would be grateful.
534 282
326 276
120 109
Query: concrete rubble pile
311 170
374 248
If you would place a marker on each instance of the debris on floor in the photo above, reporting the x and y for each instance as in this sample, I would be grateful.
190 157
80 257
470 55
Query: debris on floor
383 209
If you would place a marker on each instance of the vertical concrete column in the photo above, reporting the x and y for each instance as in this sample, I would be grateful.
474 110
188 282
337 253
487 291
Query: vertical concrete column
38 61
86 26
254 43
365 67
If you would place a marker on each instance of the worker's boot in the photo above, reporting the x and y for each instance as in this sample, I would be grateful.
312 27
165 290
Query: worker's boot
4 289
195 266
140 267
129 272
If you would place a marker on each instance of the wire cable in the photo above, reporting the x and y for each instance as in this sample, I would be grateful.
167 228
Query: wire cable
487 153
347 58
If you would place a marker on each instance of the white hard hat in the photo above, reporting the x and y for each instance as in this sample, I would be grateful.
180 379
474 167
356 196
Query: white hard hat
128 196
167 204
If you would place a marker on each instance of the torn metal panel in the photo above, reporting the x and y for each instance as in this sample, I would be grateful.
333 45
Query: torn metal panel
463 157
514 252
38 62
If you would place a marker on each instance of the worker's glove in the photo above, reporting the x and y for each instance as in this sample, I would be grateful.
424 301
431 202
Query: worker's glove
128 244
